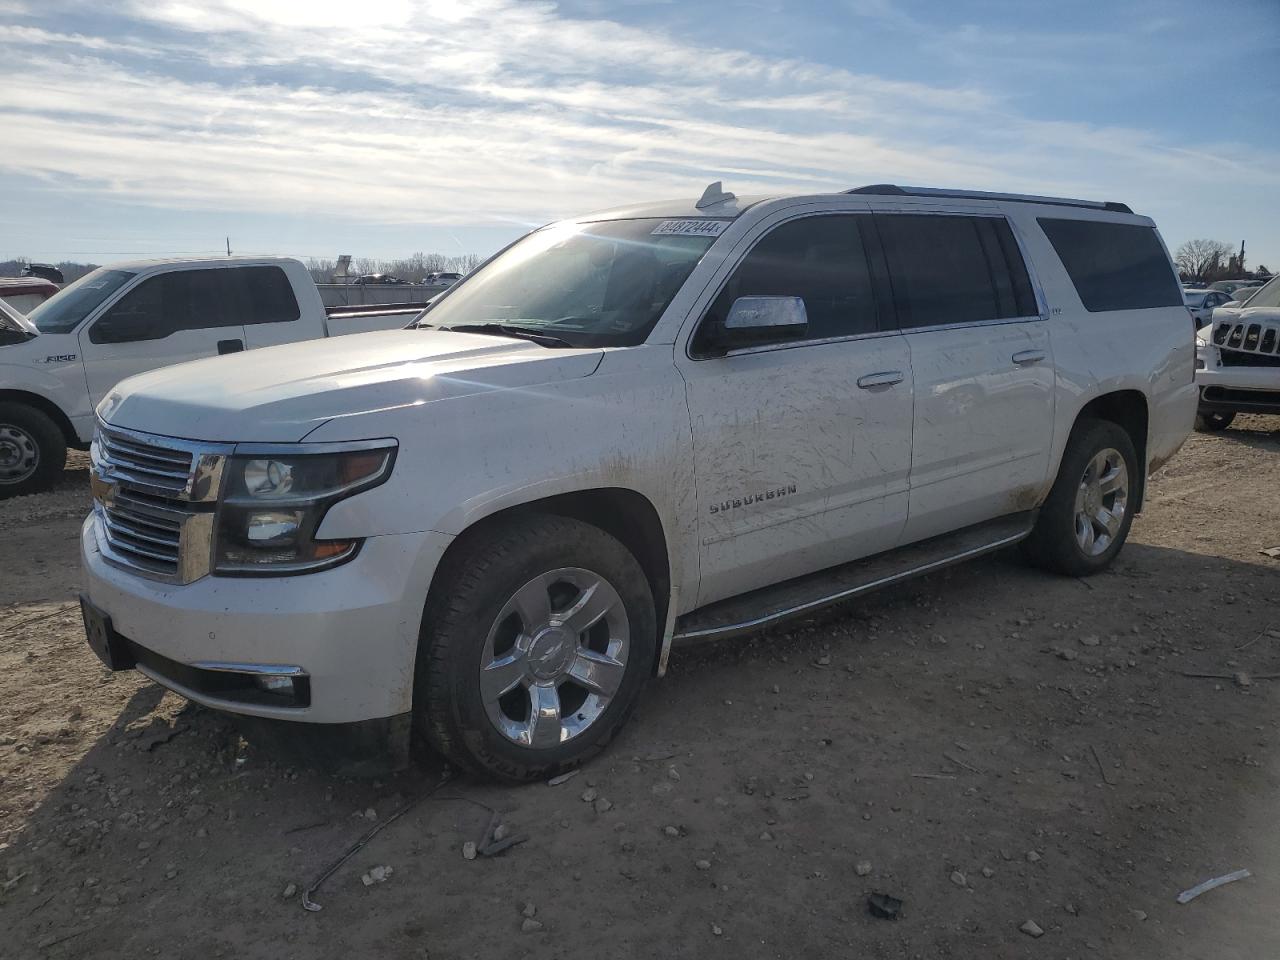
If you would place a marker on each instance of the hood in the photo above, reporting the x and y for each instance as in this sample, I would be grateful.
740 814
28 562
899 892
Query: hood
280 394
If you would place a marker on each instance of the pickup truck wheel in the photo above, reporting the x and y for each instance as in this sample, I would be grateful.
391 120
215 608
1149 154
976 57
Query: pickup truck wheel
1213 422
1086 518
534 648
33 450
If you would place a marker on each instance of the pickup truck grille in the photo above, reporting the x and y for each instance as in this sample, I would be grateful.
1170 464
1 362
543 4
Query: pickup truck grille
1248 343
154 501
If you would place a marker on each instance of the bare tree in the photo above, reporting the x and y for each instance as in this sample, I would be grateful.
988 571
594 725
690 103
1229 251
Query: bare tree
1200 258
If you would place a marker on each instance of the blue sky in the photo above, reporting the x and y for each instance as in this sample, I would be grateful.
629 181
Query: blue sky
385 127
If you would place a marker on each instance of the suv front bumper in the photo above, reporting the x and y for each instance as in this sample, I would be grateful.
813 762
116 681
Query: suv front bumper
340 642
1235 389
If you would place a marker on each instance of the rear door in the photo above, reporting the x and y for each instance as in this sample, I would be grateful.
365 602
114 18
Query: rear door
982 364
264 300
167 318
802 448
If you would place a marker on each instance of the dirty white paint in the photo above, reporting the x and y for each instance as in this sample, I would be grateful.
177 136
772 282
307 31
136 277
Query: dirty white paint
761 466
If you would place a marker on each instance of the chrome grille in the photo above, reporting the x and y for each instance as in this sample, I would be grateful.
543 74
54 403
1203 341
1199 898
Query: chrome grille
149 535
155 466
1257 338
154 500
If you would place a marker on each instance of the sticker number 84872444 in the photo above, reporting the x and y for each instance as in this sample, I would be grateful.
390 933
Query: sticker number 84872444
690 228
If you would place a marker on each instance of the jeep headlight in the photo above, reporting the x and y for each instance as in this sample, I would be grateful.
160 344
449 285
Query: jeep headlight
274 501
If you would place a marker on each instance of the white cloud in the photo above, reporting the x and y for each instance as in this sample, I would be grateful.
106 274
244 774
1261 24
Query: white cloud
503 111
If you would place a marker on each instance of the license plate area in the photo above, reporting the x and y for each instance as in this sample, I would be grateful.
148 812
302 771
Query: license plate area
103 639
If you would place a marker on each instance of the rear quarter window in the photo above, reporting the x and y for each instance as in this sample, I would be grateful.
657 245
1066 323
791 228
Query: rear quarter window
261 295
1114 266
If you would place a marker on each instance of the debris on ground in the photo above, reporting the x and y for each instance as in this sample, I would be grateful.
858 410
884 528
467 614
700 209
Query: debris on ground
1032 929
376 875
469 850
563 778
863 868
1272 552
1186 896
530 925
884 906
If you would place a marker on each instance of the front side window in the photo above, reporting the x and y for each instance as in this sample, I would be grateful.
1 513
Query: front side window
819 259
63 312
954 269
1114 266
166 304
599 284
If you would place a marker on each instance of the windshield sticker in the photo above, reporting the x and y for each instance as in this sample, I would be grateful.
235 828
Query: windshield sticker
690 228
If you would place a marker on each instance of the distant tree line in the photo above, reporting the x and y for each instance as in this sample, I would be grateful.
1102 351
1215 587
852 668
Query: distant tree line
70 271
1212 260
414 268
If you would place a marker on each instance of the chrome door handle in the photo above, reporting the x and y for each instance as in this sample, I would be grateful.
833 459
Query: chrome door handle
886 379
1028 356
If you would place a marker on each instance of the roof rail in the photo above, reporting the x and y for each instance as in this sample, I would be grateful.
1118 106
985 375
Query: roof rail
893 190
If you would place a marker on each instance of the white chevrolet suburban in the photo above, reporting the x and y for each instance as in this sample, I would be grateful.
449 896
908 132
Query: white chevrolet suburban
664 423
1238 360
130 317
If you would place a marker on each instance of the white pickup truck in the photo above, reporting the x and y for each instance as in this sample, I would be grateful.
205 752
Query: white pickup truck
131 317
660 424
1238 360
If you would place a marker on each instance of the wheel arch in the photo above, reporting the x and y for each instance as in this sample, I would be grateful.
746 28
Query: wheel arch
1130 410
48 408
625 514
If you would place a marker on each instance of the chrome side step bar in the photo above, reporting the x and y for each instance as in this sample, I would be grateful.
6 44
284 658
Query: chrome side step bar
805 595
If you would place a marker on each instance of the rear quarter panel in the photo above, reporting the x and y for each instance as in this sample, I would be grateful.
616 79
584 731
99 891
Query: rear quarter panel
1150 351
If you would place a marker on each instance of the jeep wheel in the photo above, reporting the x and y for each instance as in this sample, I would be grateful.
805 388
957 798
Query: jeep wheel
33 451
534 648
1086 518
1212 422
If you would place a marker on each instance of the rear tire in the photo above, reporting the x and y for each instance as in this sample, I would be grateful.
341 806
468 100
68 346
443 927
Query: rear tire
33 451
523 613
1213 422
1086 518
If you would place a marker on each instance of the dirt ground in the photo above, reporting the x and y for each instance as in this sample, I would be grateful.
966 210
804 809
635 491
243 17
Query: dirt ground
992 745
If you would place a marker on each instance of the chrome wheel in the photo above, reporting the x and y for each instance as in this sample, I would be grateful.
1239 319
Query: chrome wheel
19 454
554 658
1101 501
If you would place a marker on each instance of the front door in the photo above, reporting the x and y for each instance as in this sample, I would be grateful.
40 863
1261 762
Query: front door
983 366
801 449
165 319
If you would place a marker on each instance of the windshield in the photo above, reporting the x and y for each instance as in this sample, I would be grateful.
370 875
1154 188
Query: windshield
589 285
66 308
1268 295
1194 298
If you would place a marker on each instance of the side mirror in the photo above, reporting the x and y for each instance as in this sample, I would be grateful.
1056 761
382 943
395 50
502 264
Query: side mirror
753 321
122 328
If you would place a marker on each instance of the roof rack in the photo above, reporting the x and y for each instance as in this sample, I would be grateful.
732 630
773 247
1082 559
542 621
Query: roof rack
893 190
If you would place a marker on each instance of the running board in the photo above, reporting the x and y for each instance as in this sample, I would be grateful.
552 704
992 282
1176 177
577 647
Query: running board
805 595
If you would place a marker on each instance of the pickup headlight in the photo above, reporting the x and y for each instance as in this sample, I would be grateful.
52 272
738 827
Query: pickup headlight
274 501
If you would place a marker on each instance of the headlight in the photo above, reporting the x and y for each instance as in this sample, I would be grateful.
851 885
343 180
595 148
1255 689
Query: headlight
1201 341
274 501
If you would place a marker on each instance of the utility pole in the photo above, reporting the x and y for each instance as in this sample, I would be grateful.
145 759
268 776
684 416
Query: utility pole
228 246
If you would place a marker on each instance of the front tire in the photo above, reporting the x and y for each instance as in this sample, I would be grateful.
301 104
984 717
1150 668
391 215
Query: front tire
33 451
1086 518
536 642
1213 422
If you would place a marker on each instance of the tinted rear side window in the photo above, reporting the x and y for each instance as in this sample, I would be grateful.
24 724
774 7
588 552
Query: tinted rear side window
1114 266
954 269
819 259
261 295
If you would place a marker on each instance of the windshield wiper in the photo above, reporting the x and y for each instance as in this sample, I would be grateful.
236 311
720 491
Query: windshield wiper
510 330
